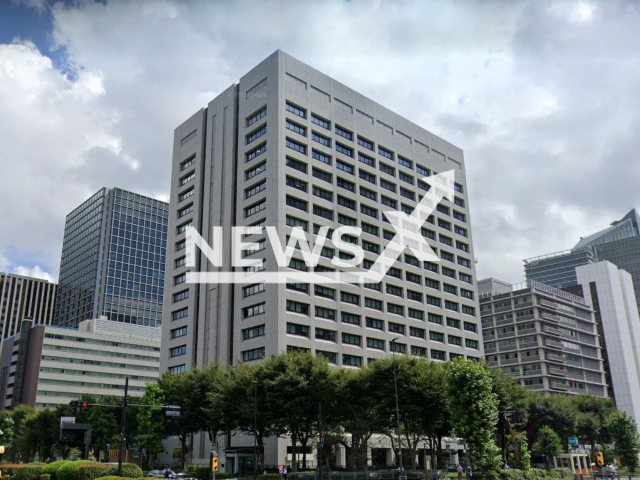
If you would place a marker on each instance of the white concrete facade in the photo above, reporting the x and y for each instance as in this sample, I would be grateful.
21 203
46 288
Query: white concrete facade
610 291
48 366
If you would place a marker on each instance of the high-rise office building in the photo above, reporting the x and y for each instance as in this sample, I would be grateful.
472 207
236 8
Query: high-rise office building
618 244
24 297
113 260
609 291
288 147
545 337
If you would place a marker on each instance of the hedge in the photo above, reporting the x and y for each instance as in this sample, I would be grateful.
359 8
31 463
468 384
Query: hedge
204 473
69 471
92 471
23 471
115 477
53 467
535 474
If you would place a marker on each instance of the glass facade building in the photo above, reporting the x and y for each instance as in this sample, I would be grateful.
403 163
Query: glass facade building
619 244
113 259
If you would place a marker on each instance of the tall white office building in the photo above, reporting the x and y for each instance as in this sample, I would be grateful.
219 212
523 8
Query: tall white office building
610 292
288 147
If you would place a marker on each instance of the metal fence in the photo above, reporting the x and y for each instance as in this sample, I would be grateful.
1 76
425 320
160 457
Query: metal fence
372 475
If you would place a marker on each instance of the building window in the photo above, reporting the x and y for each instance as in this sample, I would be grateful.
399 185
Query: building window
321 156
375 323
438 354
365 143
471 343
178 332
323 212
296 165
375 343
297 329
350 318
296 222
253 332
256 116
297 307
178 351
259 150
253 354
297 146
343 132
294 127
320 121
301 112
325 292
185 211
253 289
177 369
256 134
372 303
258 169
187 163
351 360
344 149
350 298
324 334
321 139
350 339
255 208
183 295
327 313
255 189
253 310
385 153
396 328
322 175
186 194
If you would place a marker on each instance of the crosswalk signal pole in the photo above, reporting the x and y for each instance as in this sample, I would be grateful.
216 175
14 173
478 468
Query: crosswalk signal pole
123 419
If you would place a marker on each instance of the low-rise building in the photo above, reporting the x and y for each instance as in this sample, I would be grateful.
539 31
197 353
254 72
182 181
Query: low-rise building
545 337
45 366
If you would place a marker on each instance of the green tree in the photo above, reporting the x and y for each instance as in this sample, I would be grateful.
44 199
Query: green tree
19 414
188 391
548 444
524 455
554 411
474 413
240 403
105 424
298 382
512 398
151 425
624 433
358 414
7 427
422 398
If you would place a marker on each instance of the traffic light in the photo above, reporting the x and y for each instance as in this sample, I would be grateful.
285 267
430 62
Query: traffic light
79 406
214 464
599 458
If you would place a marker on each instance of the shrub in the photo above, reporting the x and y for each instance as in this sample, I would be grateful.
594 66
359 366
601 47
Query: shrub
115 477
204 473
52 468
45 476
69 471
23 471
268 476
90 471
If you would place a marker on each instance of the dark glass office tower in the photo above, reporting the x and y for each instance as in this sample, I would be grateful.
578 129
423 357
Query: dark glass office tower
619 244
113 259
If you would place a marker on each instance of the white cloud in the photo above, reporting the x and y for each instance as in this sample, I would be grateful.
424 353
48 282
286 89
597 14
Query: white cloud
541 96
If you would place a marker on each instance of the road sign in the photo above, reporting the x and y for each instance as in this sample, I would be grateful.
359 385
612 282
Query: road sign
172 413
573 441
599 458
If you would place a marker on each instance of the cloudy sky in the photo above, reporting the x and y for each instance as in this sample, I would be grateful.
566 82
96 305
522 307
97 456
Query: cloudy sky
544 98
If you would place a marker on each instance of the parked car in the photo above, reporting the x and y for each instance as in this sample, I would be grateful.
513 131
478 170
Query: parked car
156 473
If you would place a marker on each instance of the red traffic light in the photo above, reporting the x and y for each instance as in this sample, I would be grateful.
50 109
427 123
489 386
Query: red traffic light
84 404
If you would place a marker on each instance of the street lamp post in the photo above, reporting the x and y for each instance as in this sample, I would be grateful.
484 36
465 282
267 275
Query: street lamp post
395 384
255 429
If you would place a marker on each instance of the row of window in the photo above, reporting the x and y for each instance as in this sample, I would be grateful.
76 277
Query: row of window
355 360
349 135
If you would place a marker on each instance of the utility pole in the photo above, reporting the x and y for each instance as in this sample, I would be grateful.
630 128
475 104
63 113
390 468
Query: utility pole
320 438
123 419
255 430
395 383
